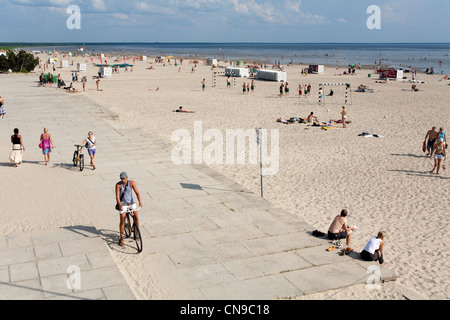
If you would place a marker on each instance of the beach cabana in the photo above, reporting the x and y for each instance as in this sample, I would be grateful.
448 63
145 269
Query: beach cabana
391 74
106 72
237 72
316 68
212 62
272 75
64 64
81 67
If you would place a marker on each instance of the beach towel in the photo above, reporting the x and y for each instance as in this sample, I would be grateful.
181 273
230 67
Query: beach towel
368 135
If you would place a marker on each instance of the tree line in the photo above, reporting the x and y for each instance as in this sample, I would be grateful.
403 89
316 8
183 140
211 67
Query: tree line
21 61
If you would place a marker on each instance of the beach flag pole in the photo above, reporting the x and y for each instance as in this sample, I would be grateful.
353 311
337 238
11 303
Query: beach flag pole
259 142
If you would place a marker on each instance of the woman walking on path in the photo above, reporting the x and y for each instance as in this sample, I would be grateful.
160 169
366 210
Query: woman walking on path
46 145
18 148
2 108
439 155
90 142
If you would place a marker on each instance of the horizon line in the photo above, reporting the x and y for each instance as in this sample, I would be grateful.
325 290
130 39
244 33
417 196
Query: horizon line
191 42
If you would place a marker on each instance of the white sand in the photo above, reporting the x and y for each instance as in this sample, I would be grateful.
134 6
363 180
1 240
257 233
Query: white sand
384 182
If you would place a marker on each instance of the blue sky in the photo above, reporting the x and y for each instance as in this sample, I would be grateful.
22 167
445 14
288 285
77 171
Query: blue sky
290 21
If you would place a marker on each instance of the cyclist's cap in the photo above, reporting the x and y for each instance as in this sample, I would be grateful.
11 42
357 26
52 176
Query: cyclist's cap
123 175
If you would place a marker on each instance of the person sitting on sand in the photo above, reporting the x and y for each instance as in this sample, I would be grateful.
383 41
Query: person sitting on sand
414 88
339 228
71 89
373 251
180 109
312 118
362 87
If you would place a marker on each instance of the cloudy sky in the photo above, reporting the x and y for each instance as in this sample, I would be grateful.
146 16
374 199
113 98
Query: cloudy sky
289 21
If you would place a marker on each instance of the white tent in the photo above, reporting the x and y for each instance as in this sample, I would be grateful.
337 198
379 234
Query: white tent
106 72
212 62
272 75
237 72
81 67
316 68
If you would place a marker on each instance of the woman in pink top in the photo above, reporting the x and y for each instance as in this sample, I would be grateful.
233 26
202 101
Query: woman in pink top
46 145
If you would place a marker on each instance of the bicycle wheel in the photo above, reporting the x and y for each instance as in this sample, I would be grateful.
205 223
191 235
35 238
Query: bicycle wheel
137 238
75 158
81 162
127 226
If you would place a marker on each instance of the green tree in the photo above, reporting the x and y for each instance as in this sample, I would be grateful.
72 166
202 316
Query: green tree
18 62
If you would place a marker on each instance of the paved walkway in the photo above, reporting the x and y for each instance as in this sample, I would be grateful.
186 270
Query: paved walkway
67 263
204 236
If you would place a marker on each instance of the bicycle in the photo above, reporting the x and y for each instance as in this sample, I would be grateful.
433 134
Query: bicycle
78 157
132 228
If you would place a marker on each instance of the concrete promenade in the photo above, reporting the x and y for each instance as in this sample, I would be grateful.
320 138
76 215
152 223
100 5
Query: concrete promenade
205 237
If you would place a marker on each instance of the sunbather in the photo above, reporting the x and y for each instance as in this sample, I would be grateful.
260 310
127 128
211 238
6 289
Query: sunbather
282 121
180 109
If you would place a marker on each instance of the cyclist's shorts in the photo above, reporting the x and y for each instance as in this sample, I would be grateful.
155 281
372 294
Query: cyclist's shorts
125 208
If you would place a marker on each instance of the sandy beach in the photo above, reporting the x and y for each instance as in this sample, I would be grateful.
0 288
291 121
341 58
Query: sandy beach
384 182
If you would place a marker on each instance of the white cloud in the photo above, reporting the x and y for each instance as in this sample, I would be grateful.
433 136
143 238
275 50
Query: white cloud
289 13
98 5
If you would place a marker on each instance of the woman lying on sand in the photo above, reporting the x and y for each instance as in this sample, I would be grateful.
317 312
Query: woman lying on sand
282 121
180 109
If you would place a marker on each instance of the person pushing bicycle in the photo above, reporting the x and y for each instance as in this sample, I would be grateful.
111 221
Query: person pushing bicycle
124 197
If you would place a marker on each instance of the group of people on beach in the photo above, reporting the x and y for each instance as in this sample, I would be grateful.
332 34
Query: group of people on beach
246 87
47 80
124 188
340 230
304 90
435 143
312 118
46 144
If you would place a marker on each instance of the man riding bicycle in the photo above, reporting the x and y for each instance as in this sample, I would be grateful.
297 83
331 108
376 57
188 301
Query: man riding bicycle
124 198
